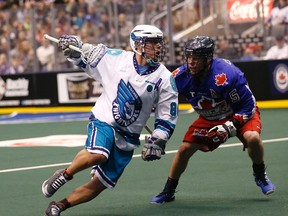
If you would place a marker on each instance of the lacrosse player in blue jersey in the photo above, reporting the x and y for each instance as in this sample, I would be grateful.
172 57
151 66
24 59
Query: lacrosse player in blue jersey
133 83
219 93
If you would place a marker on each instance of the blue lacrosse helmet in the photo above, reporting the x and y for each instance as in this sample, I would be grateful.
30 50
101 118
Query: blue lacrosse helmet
202 46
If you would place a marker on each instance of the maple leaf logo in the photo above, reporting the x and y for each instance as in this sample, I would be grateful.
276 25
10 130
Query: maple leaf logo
221 79
282 78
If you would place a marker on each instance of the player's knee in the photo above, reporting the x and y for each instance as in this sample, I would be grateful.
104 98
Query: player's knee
252 137
186 149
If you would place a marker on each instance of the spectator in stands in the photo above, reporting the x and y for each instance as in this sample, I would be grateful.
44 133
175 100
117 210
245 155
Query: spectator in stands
152 8
4 45
61 61
62 19
29 66
279 14
93 15
90 30
105 21
277 21
125 26
71 7
79 19
190 13
17 64
14 52
226 51
46 56
248 54
102 36
5 66
20 58
279 50
177 18
132 6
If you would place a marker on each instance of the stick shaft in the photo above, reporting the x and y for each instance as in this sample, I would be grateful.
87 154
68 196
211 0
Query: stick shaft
48 37
148 129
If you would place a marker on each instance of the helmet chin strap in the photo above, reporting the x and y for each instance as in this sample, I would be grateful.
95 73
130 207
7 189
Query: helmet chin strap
150 61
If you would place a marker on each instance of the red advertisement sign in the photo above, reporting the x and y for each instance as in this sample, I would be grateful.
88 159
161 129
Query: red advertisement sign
246 10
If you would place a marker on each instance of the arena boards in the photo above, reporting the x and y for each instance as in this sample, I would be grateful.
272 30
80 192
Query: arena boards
182 107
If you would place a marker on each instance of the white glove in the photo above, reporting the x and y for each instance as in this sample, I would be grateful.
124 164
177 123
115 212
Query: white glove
153 149
221 133
65 41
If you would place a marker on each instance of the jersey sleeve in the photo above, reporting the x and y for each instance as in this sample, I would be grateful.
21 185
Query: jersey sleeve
90 59
179 75
240 96
166 112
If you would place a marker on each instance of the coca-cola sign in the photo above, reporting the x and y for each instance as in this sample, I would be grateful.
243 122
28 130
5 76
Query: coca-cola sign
246 10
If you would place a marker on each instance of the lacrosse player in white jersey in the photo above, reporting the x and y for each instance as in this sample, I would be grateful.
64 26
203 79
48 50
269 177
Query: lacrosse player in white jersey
133 83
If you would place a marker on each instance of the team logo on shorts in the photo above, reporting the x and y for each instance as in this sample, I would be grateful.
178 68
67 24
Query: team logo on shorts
280 76
127 105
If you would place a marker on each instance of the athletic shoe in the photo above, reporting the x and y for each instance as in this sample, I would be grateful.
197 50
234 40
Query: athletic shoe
57 180
264 183
164 196
53 209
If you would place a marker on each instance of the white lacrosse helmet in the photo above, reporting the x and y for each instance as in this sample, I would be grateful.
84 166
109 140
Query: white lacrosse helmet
141 33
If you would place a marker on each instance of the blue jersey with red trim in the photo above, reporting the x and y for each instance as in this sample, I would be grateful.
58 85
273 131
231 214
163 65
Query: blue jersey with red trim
223 93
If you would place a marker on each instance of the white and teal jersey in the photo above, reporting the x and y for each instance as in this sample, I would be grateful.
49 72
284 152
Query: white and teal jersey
129 97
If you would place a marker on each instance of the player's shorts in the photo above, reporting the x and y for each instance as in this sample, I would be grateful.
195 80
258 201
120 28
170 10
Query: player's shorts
101 140
198 131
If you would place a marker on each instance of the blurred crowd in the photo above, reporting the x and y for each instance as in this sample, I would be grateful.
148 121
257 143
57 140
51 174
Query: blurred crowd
24 22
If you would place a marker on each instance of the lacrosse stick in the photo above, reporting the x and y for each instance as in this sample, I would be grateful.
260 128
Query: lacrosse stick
148 129
48 37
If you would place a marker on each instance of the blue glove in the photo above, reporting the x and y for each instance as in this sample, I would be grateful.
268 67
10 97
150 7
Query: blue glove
153 149
65 41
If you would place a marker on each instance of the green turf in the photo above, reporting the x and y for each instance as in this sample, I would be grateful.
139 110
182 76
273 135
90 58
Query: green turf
217 183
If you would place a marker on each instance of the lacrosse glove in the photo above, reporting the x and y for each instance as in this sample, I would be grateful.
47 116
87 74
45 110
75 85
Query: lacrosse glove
153 149
221 133
65 41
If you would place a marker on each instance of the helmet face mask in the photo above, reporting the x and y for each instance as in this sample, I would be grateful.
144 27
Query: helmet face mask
198 53
148 41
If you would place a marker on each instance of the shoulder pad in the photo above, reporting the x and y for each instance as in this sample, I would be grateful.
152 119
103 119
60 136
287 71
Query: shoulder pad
114 51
